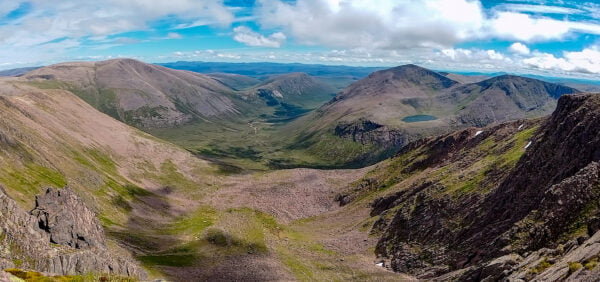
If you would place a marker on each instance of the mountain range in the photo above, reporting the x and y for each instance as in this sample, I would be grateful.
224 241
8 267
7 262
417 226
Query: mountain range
126 170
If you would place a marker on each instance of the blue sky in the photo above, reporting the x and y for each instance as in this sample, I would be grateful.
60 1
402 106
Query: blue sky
558 38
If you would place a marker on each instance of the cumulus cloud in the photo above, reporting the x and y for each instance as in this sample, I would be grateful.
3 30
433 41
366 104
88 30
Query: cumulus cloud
519 48
584 61
247 36
407 24
388 24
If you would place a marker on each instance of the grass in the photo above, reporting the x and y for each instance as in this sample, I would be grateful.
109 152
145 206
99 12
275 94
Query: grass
543 265
591 264
573 267
32 276
31 177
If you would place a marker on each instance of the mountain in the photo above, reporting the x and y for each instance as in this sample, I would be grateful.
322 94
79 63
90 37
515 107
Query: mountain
262 69
90 197
141 94
376 116
510 201
298 89
17 72
235 81
465 78
506 97
116 176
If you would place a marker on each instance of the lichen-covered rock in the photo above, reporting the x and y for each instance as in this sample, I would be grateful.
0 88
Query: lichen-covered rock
67 219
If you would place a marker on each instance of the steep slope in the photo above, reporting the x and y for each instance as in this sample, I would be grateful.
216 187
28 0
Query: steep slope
517 199
507 97
298 89
51 138
140 94
406 103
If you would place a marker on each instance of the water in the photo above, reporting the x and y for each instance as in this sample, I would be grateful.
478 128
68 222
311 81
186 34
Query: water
418 118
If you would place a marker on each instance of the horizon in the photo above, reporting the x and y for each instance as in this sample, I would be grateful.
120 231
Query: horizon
549 38
548 77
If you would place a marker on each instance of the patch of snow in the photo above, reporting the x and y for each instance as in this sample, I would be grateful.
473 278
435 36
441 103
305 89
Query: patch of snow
528 144
380 264
478 132
520 126
277 94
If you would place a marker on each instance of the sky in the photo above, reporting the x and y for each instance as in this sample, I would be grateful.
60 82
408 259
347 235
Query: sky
544 37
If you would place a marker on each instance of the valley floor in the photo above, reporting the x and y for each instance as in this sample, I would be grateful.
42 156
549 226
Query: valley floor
281 225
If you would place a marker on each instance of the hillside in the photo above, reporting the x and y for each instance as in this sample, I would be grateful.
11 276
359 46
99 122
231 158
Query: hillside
51 138
298 89
378 115
137 206
494 203
141 94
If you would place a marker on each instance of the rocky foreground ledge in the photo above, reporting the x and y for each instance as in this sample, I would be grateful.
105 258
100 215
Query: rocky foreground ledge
537 220
60 236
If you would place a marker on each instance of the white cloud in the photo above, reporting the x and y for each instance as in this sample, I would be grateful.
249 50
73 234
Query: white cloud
394 24
174 35
584 61
519 48
524 27
245 35
542 9
89 23
388 24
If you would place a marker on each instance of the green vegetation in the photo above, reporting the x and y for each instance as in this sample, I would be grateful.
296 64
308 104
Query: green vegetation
30 177
591 264
32 276
543 265
573 267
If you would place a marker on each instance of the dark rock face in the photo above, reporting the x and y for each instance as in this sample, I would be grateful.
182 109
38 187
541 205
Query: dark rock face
67 220
367 132
548 200
60 217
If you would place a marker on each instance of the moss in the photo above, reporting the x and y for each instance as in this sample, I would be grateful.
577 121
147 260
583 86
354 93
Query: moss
168 260
591 264
17 262
543 265
32 276
573 267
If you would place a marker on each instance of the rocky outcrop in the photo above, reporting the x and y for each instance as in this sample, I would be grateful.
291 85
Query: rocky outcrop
67 220
61 236
524 219
367 132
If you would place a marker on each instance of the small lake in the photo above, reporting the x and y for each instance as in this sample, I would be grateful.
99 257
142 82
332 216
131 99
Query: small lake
418 118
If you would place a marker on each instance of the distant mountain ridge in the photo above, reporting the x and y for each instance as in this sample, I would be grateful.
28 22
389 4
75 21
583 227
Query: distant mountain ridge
141 94
394 97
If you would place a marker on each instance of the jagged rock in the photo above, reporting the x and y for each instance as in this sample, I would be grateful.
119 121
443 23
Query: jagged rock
499 267
67 219
26 242
367 132
528 209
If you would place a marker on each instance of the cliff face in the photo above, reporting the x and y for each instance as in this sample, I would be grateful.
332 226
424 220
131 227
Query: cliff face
59 236
506 219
